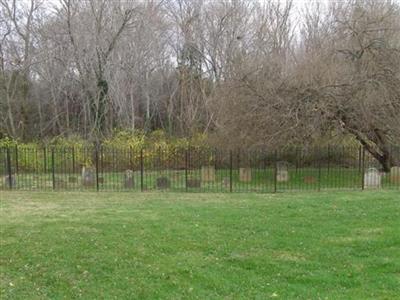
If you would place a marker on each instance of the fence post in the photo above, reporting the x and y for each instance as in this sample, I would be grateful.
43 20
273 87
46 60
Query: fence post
141 169
264 160
96 156
319 169
329 158
45 159
53 178
363 169
131 158
9 169
230 171
16 159
275 171
186 168
73 160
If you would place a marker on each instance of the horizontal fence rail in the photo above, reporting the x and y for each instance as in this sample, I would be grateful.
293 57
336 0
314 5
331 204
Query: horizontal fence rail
104 168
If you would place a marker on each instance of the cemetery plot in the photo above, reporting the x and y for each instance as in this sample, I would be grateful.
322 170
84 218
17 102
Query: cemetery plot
198 172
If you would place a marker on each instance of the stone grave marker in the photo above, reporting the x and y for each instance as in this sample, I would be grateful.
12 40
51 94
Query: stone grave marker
309 179
372 178
193 183
163 183
207 173
245 174
60 183
6 181
129 181
226 182
282 173
88 176
395 175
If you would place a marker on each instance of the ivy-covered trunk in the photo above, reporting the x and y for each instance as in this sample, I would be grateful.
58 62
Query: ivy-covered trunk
99 105
102 105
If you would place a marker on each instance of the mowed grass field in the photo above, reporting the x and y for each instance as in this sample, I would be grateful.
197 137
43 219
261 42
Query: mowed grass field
336 245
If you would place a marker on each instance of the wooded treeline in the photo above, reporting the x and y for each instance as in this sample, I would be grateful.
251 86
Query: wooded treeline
250 72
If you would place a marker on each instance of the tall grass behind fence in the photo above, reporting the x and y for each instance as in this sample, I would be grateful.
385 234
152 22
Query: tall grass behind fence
106 168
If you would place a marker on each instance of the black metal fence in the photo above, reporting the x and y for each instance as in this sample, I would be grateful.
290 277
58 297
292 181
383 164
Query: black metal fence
105 168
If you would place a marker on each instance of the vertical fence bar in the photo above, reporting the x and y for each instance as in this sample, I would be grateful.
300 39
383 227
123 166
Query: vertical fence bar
16 159
141 170
96 157
275 171
359 158
73 160
230 171
186 169
130 158
319 157
363 169
45 159
102 165
10 181
53 175
329 160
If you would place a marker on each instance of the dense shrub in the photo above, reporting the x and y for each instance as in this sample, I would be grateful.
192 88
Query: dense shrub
118 152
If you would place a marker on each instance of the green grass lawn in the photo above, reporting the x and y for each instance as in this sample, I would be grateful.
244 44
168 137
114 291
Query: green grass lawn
336 245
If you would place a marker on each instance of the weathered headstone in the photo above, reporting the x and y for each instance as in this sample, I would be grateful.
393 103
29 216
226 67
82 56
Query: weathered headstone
207 173
88 176
309 179
372 178
226 182
282 173
163 183
245 174
176 176
129 182
193 183
60 183
395 175
6 181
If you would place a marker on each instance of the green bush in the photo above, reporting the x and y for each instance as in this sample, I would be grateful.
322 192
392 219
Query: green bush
118 152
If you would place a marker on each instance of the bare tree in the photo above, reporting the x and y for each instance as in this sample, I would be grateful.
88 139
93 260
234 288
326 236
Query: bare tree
355 73
17 56
255 73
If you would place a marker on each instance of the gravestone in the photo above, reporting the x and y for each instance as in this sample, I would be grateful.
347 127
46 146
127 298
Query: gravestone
282 173
60 183
163 183
395 175
309 179
226 182
175 176
245 174
129 182
193 183
372 178
207 173
6 181
88 176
